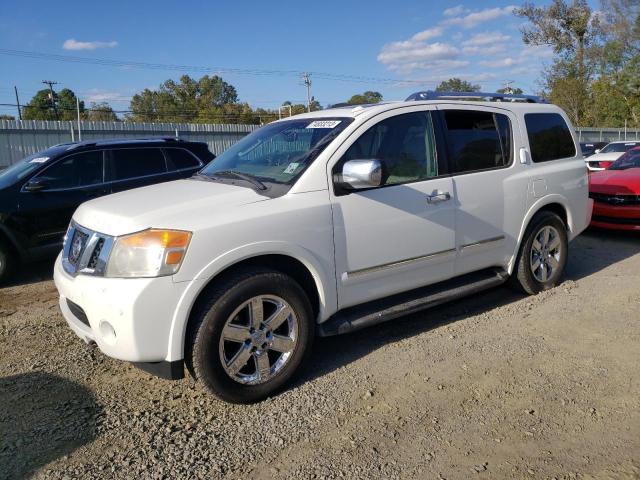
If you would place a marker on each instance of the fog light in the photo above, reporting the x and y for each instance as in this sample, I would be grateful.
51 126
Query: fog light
107 332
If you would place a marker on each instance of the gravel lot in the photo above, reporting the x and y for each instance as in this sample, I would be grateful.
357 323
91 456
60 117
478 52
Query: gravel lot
495 386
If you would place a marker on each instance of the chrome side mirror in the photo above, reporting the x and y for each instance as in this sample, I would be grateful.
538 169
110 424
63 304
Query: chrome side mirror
360 174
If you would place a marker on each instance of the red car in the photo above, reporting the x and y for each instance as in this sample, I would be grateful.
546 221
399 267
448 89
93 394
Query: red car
616 193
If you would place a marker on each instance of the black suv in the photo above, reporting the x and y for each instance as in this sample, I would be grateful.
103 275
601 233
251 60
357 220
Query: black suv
39 194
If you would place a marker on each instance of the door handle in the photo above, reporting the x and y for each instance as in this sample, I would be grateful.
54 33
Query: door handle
438 197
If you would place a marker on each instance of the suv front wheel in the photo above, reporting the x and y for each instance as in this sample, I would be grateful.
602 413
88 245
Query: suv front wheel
251 336
542 256
6 262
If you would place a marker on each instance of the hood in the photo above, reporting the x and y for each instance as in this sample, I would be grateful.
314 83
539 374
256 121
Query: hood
617 182
176 205
604 157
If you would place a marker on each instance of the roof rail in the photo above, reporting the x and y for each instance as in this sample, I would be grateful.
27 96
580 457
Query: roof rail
491 97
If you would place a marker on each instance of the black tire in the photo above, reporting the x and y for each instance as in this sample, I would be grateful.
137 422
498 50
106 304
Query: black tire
202 352
7 262
523 278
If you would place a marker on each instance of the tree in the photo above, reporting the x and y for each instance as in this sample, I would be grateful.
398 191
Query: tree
188 100
100 112
575 34
367 97
510 91
43 107
457 85
7 117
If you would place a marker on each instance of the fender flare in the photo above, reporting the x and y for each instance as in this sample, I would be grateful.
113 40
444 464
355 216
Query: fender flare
538 205
325 285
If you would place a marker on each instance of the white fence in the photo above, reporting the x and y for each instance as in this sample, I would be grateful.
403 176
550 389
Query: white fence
21 138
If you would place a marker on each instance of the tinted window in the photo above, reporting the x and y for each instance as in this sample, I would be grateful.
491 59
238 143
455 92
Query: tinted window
477 140
82 169
619 147
404 143
136 162
179 158
549 137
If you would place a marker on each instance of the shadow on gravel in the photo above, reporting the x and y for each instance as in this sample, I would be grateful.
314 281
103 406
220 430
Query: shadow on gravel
597 249
591 252
43 417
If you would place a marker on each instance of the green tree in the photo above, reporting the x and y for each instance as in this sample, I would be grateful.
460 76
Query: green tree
576 36
367 97
7 117
457 85
43 107
100 112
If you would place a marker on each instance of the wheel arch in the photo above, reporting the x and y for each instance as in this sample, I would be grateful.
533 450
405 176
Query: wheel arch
307 272
552 203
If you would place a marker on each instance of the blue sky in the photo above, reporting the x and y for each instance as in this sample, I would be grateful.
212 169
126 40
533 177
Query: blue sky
404 46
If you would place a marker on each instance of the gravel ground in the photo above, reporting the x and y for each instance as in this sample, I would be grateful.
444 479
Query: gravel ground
494 386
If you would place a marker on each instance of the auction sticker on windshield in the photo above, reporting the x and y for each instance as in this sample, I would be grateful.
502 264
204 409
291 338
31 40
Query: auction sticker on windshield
39 160
324 124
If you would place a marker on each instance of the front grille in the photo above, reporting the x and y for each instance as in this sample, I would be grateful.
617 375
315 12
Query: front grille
616 200
86 251
616 220
78 312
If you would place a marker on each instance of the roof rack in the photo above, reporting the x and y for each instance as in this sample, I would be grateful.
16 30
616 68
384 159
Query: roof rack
491 97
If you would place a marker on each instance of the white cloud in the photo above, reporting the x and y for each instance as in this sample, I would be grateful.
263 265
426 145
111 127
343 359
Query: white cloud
484 50
98 95
486 38
73 44
455 11
427 34
407 52
473 19
500 63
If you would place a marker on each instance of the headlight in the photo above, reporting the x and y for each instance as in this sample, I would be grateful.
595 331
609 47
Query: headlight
151 253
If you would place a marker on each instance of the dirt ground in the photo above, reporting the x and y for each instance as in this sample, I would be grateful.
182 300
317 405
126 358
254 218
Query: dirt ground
495 386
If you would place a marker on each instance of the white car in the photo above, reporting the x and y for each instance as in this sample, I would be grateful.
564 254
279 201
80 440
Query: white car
609 154
319 224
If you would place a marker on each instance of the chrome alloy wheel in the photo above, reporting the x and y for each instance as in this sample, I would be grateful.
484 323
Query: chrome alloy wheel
258 339
546 253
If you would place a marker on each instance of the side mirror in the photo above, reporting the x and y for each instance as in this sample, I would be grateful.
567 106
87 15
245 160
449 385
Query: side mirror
597 150
360 174
35 185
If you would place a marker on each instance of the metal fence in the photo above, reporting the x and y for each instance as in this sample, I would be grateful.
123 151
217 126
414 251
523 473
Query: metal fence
21 138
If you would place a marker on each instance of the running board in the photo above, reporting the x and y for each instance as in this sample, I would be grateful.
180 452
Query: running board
378 311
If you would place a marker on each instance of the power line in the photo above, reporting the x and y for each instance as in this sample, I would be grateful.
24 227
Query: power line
204 69
52 96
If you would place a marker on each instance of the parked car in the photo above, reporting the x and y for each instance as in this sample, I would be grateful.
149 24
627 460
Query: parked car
616 194
319 224
590 148
609 154
39 194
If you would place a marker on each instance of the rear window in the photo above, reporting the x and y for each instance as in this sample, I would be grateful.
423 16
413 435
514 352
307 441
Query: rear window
549 137
179 158
477 140
136 162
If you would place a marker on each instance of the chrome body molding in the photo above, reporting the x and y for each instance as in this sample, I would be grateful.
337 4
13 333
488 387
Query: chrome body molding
400 263
482 242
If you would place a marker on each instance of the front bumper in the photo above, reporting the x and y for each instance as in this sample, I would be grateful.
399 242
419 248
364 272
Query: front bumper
128 319
615 217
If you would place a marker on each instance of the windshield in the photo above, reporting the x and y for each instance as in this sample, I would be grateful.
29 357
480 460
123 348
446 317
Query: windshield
277 153
631 159
619 147
27 165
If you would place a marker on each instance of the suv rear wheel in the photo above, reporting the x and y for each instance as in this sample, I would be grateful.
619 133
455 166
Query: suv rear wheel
251 336
6 261
542 256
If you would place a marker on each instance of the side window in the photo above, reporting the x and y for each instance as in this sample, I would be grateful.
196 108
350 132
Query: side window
179 158
80 170
129 163
549 137
404 143
477 140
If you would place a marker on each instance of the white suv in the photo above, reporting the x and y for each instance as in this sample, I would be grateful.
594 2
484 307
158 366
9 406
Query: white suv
320 224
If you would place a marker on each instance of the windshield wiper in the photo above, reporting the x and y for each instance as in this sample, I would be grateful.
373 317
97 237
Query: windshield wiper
242 176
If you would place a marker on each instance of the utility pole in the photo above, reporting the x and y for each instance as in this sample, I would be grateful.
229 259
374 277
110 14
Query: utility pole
507 87
53 96
18 102
306 79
